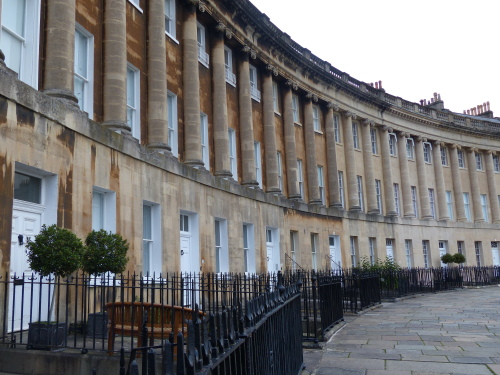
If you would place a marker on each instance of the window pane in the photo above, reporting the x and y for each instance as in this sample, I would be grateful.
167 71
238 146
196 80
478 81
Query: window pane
146 222
97 210
13 16
27 188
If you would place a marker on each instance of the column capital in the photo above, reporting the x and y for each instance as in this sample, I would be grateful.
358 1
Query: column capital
385 128
491 152
201 5
350 114
291 84
438 143
249 52
312 97
223 29
332 105
403 134
369 122
272 69
472 149
421 139
455 145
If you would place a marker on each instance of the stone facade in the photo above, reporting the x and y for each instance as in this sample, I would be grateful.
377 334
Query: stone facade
220 136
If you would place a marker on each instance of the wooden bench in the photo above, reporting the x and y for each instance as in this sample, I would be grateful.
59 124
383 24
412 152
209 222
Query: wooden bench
126 318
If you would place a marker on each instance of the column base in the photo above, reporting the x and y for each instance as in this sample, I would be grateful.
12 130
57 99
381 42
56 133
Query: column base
336 205
446 218
295 197
195 163
391 213
429 217
160 147
223 173
355 209
316 202
273 191
251 183
117 126
479 221
374 212
409 216
65 95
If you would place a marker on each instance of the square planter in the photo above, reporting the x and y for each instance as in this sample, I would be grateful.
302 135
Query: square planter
47 335
97 325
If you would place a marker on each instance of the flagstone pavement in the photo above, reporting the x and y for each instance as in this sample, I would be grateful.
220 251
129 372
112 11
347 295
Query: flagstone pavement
455 333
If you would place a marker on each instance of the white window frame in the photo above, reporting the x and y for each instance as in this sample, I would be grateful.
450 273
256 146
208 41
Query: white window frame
427 152
254 91
205 148
479 161
467 206
378 194
293 248
135 3
355 138
425 251
295 109
173 139
336 128
396 198
444 156
461 247
393 139
354 260
484 206
152 245
221 246
248 248
414 200
373 139
341 188
134 105
408 253
233 162
276 106
371 249
170 19
449 203
315 118
228 62
280 170
300 178
477 251
30 42
432 203
203 56
108 209
359 180
258 162
88 78
410 148
321 184
314 250
461 159
496 163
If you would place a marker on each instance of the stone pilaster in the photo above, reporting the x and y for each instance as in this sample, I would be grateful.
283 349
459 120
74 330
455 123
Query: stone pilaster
457 184
405 176
312 168
191 84
221 136
474 185
272 183
492 188
157 78
371 195
60 50
290 148
246 123
350 163
115 66
331 158
438 175
390 204
422 178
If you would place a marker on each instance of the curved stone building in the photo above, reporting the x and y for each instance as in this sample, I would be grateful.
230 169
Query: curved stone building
212 141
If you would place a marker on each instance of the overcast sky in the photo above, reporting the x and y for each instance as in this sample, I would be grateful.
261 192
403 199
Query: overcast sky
415 48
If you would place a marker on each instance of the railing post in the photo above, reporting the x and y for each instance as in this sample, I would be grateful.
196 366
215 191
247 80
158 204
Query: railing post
134 368
167 359
122 361
151 363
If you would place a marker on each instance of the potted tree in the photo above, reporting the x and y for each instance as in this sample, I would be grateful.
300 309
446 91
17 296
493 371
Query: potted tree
105 254
58 252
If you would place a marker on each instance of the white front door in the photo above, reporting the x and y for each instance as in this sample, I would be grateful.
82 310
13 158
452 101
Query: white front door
494 253
26 224
185 245
272 265
442 251
389 249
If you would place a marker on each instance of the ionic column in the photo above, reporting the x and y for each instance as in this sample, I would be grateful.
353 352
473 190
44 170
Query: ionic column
405 176
246 122
290 150
457 183
271 158
191 84
60 50
312 168
221 136
115 66
371 195
350 164
390 205
157 78
331 158
492 189
474 185
438 175
422 179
